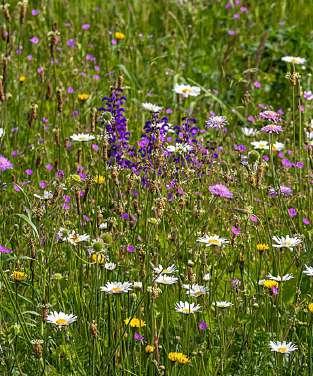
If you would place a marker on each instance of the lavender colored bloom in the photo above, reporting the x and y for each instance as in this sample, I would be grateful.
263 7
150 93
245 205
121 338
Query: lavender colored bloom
270 115
28 171
138 337
292 212
70 90
257 84
253 218
218 122
130 248
220 190
308 95
49 167
235 230
241 148
71 43
86 26
285 191
34 40
43 184
306 221
5 164
202 325
35 12
4 249
272 128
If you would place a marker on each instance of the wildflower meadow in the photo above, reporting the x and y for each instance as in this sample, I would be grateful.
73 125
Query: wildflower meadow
156 188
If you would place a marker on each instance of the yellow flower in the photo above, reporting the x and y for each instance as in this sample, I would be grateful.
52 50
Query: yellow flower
119 36
97 258
83 97
310 307
74 178
22 78
262 247
99 179
18 276
178 358
149 349
135 323
269 284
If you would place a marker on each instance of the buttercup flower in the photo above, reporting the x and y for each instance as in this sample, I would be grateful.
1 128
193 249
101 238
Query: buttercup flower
178 357
135 322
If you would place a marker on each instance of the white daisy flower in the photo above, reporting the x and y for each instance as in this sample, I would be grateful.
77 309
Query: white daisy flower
165 279
278 146
109 266
283 347
223 304
294 60
187 90
47 195
212 240
82 137
74 238
286 242
61 319
286 277
179 148
116 287
249 131
195 290
151 107
260 145
308 271
206 277
2 132
187 308
160 270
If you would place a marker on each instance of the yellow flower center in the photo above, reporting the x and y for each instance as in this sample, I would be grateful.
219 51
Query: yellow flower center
61 322
116 290
282 349
215 242
270 284
310 307
19 276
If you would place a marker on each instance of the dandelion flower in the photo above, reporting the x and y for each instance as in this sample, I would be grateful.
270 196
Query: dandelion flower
135 322
178 357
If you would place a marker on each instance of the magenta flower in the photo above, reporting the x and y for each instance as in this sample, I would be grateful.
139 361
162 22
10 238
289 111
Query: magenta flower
202 325
270 115
5 164
86 26
220 190
4 249
34 40
138 337
306 221
292 212
71 43
35 12
130 248
272 128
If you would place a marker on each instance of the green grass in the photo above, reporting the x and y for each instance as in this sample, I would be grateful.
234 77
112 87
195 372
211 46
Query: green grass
166 42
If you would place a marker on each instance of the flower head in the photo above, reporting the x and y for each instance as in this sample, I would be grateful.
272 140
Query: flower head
195 290
220 190
151 107
218 122
187 91
178 357
223 304
212 240
272 128
61 319
4 249
187 308
116 287
82 137
294 60
308 271
5 164
135 322
286 242
283 347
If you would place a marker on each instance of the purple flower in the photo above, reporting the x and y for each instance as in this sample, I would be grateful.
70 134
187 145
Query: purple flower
241 148
5 164
138 337
218 122
130 248
71 43
306 221
272 128
257 84
235 230
70 90
220 190
292 212
270 115
308 95
34 40
28 171
202 325
35 12
43 184
86 26
49 167
253 218
4 249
